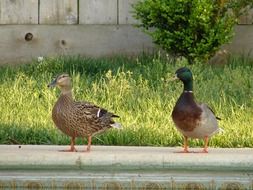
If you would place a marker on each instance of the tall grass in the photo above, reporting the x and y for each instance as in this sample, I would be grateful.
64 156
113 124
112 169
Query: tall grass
133 88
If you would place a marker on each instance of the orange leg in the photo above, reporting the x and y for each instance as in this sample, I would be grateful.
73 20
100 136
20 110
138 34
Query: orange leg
206 145
186 145
72 146
89 144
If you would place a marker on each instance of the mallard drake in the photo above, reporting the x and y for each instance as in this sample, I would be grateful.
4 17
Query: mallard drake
78 119
192 119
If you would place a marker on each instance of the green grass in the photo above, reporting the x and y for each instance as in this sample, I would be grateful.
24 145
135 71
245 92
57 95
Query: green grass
133 88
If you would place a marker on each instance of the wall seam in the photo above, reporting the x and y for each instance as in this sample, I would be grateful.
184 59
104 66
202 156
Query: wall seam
117 12
38 11
78 12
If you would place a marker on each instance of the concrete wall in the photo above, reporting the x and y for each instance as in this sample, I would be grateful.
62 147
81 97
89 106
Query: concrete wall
32 28
87 40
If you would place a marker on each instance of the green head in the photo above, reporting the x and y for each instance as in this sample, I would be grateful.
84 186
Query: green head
185 75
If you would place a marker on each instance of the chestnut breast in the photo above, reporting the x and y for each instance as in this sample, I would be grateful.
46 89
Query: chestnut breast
186 113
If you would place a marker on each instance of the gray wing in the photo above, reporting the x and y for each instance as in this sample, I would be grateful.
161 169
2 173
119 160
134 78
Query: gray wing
208 120
218 118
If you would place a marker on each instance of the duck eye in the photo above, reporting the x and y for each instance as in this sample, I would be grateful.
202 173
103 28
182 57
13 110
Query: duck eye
63 76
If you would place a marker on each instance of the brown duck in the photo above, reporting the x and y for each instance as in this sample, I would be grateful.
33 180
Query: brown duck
78 119
192 119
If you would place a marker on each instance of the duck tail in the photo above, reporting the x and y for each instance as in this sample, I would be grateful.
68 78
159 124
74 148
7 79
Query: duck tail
116 125
218 131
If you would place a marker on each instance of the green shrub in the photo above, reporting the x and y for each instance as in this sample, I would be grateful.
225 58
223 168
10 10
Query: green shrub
194 29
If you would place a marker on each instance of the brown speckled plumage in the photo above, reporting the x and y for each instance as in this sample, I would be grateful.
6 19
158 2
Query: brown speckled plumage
78 119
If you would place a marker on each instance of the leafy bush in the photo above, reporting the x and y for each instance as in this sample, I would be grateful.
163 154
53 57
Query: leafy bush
194 29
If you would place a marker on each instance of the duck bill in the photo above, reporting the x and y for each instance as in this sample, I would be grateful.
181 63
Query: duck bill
52 84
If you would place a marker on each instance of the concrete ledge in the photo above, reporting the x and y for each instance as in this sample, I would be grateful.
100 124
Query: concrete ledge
113 167
118 158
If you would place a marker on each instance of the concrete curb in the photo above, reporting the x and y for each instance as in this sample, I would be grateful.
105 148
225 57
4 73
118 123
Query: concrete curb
124 158
115 167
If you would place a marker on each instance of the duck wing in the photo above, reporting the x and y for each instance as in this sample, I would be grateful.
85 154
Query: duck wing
208 122
208 114
208 107
92 110
92 118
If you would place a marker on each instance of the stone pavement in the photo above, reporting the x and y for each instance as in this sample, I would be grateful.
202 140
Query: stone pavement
118 167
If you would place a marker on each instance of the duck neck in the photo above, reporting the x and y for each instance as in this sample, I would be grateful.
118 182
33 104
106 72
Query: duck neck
67 93
188 86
